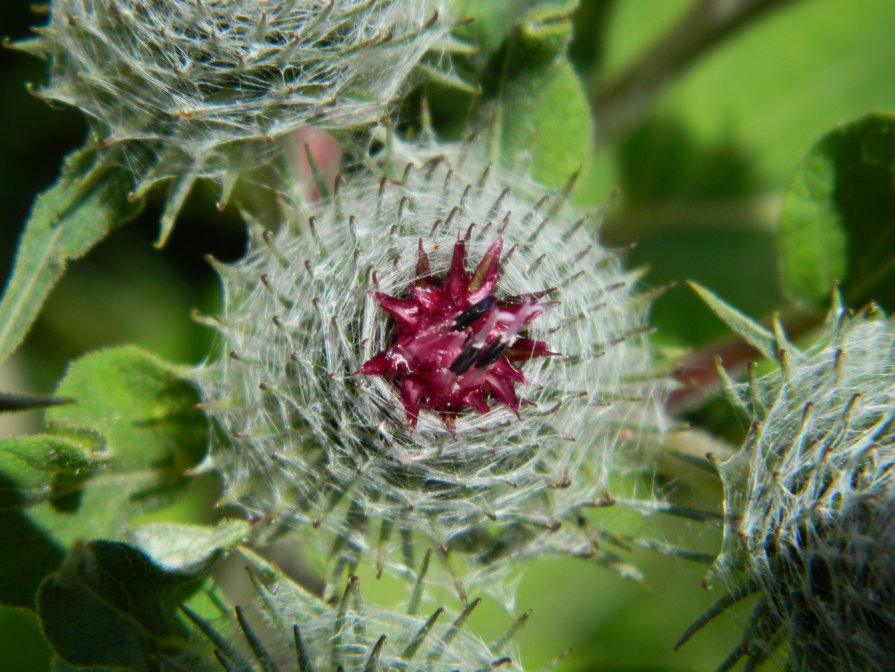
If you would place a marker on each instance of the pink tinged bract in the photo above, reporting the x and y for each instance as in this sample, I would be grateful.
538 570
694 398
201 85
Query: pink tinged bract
456 341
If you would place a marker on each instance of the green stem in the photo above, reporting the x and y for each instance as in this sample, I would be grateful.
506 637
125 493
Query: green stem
621 102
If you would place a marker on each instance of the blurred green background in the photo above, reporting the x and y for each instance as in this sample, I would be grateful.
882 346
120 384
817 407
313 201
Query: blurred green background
701 176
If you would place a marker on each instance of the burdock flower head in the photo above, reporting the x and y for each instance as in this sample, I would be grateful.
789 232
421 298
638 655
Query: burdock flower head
447 354
810 499
186 89
455 342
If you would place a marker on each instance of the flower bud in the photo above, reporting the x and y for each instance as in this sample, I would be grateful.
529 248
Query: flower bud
188 89
449 355
810 500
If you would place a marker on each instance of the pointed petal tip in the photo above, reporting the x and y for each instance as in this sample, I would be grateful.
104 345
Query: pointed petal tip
412 392
375 366
486 273
423 267
450 424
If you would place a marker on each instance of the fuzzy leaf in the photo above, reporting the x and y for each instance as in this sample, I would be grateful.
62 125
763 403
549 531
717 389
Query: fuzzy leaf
752 332
30 466
109 606
151 434
27 555
139 403
121 450
187 548
536 104
67 221
33 469
838 219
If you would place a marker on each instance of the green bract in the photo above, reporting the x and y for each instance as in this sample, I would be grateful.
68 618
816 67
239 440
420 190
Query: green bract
302 632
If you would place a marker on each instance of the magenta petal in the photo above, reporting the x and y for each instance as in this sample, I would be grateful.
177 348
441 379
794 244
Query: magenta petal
411 396
504 391
376 366
449 353
456 282
406 311
475 399
423 269
525 348
522 315
428 298
504 369
485 276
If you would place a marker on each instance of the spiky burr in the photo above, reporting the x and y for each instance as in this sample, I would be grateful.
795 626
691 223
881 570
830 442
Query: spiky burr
378 385
810 499
180 90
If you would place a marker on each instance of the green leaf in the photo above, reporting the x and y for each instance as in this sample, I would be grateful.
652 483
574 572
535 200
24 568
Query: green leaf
535 104
59 665
121 450
143 406
22 646
27 555
751 332
31 467
109 606
838 218
67 221
144 410
839 69
188 548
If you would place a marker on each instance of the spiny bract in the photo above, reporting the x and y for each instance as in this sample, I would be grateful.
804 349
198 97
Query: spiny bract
810 500
307 634
304 436
200 88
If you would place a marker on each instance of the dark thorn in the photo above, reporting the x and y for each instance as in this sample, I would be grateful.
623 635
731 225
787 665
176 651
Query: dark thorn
304 662
26 402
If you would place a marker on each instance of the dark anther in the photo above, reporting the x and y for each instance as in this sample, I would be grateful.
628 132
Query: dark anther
492 353
465 359
473 313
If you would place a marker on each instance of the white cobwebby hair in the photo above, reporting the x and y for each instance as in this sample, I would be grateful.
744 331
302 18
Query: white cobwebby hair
810 500
303 439
355 634
187 89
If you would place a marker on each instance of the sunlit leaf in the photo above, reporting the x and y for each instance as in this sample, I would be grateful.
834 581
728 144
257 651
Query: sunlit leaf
144 411
535 107
187 548
122 449
31 465
81 209
838 219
